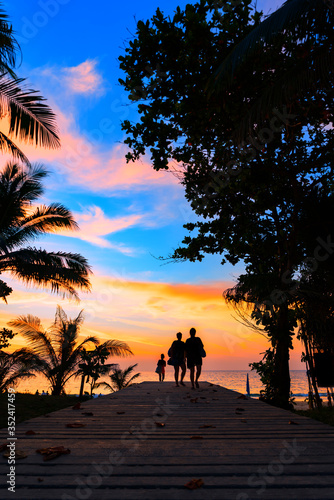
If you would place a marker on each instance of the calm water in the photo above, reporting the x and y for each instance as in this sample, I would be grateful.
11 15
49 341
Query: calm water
235 380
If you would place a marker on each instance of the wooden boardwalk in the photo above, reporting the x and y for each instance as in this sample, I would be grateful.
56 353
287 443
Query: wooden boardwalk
240 449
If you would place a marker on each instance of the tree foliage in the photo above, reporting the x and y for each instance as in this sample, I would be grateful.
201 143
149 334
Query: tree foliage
253 198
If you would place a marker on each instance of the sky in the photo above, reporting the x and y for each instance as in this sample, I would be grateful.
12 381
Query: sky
128 214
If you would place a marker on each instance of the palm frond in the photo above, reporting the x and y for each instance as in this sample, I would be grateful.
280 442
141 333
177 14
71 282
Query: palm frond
59 271
105 385
292 14
45 219
30 120
8 146
296 81
30 327
116 348
8 45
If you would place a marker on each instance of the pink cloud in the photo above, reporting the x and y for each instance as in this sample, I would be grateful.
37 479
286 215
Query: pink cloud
84 78
94 225
86 162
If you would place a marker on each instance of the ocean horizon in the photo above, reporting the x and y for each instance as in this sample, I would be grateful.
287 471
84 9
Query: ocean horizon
231 379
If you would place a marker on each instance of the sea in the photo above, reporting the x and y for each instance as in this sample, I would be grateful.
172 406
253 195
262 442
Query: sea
235 380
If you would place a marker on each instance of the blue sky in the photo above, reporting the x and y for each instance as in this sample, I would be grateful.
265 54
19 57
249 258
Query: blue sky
128 214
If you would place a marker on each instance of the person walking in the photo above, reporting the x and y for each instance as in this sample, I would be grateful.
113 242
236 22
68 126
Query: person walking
194 351
178 356
161 368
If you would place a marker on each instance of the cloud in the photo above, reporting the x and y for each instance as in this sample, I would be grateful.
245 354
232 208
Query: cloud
84 78
94 225
85 161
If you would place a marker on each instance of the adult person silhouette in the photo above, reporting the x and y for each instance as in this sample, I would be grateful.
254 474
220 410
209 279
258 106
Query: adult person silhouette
178 355
194 350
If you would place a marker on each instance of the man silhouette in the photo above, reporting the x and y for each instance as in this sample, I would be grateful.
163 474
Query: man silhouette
194 349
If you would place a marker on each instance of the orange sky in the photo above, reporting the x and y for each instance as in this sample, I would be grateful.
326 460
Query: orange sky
147 315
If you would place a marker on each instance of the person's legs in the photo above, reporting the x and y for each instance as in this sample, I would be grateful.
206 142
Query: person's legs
162 376
192 372
176 375
183 372
198 373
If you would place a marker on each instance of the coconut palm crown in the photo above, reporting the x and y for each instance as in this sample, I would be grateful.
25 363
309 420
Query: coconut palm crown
119 379
24 115
21 222
56 348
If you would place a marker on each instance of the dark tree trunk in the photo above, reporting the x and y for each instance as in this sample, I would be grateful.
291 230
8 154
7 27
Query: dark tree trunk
281 379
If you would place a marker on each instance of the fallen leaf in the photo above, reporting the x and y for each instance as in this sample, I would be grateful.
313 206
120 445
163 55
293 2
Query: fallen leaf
77 406
291 422
194 484
242 397
240 409
120 412
202 397
243 420
40 480
193 400
159 414
87 413
196 437
159 424
53 452
75 425
18 454
31 433
207 426
215 399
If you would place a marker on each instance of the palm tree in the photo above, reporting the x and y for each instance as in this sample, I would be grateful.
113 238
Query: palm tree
20 222
57 349
28 118
93 364
119 379
16 366
310 23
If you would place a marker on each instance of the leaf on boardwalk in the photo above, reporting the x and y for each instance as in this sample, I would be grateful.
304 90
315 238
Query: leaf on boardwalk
243 420
291 422
18 454
88 413
31 433
120 412
159 424
193 400
196 437
194 484
77 406
53 452
75 425
205 426
240 409
242 397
